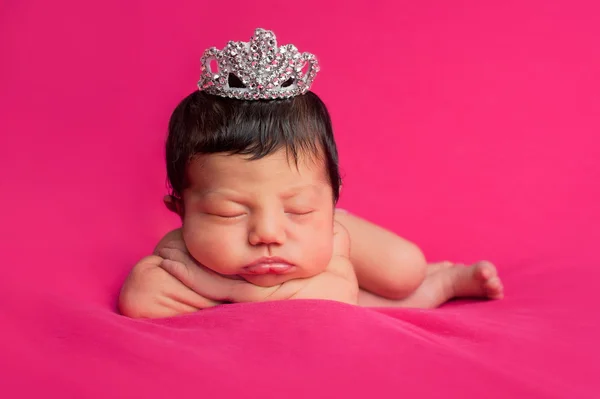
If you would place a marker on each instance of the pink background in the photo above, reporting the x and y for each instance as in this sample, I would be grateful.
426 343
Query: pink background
469 127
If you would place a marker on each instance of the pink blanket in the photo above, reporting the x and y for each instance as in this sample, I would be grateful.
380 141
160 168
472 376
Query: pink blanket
471 129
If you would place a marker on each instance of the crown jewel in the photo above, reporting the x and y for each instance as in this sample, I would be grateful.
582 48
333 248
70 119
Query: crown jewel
263 70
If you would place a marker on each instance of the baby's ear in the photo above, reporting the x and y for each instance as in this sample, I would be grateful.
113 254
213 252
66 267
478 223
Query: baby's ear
173 204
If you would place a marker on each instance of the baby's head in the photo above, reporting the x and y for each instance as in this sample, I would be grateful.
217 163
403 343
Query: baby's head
255 183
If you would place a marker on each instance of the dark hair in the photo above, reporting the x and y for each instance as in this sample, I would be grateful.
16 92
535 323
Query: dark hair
205 124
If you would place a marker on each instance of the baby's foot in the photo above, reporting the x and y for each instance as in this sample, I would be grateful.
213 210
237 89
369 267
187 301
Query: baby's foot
445 281
478 280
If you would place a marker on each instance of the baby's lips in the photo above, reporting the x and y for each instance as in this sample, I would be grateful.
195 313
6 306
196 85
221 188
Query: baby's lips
266 268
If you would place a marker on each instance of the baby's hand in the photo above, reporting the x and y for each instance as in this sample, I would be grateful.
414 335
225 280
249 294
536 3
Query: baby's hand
207 283
151 292
338 282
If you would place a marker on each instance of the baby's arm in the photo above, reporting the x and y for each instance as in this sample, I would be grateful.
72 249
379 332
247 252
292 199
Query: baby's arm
152 289
338 282
385 264
149 292
176 284
171 282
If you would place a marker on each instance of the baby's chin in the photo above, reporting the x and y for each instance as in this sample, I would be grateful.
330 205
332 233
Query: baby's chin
269 280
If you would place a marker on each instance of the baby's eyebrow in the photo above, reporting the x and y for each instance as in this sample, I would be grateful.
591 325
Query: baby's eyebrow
300 189
228 194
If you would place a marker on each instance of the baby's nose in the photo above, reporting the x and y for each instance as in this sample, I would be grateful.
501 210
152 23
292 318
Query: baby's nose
267 230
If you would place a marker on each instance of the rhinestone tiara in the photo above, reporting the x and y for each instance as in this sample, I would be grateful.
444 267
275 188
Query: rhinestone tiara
263 70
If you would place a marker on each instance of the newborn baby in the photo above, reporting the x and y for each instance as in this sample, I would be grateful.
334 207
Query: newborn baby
255 185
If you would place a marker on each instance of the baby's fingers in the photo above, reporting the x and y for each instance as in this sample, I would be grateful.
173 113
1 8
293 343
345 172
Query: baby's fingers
176 255
179 270
197 278
192 276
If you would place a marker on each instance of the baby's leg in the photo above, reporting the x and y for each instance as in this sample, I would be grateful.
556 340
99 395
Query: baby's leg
445 281
385 264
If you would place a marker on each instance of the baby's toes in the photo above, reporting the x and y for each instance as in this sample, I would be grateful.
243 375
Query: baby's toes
494 288
488 275
485 270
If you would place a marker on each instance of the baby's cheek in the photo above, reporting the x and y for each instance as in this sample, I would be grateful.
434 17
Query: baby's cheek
213 249
321 250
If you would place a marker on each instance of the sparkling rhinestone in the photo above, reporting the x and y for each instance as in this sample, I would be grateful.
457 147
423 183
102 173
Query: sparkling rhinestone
260 65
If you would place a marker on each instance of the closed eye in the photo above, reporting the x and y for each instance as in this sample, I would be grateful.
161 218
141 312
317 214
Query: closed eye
229 216
300 213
